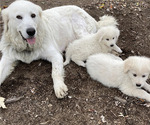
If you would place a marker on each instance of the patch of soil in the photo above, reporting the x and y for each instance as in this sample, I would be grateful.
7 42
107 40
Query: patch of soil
88 102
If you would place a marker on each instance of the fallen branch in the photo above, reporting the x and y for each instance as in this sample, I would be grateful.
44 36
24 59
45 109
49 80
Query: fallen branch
14 99
120 100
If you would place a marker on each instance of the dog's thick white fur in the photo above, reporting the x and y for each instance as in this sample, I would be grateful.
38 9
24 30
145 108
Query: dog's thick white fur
107 20
104 41
30 34
129 75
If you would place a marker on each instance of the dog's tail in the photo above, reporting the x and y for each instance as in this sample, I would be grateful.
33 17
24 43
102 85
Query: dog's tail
68 57
107 20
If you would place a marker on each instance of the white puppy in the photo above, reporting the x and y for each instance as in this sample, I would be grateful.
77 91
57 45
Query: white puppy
104 41
129 75
31 34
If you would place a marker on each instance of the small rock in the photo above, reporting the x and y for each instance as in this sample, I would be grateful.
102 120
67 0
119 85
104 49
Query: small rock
33 90
43 2
70 97
36 116
108 9
132 51
92 118
39 64
140 9
50 105
115 7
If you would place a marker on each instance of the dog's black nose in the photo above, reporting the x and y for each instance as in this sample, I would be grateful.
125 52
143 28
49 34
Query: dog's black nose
111 45
138 85
30 31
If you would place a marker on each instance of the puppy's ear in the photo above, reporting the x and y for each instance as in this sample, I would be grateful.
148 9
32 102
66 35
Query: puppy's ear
5 19
127 65
118 33
100 35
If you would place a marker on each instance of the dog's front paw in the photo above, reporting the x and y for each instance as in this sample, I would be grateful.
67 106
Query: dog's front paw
60 89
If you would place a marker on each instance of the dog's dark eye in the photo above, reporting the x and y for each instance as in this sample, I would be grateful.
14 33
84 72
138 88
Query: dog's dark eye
19 17
134 75
33 15
111 45
107 39
113 37
143 76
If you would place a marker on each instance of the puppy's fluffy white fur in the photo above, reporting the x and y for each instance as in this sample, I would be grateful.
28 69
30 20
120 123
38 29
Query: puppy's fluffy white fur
54 29
103 41
129 75
107 20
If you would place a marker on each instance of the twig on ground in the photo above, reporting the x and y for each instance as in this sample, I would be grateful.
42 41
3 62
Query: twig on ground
13 99
120 100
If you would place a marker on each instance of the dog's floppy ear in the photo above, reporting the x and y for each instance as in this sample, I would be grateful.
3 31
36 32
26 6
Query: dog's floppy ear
40 10
5 19
100 35
127 65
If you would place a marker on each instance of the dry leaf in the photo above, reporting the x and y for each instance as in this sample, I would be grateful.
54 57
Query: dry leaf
102 6
5 6
2 102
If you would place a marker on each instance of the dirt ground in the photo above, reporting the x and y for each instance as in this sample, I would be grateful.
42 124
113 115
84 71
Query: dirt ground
88 102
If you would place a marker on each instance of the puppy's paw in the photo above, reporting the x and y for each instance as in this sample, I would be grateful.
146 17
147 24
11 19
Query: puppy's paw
148 89
65 63
83 65
60 89
80 63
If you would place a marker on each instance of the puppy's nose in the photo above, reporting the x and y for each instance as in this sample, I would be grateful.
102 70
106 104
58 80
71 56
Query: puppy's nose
111 45
30 31
138 84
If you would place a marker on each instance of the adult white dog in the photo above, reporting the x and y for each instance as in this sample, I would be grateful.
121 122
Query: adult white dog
129 75
30 34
